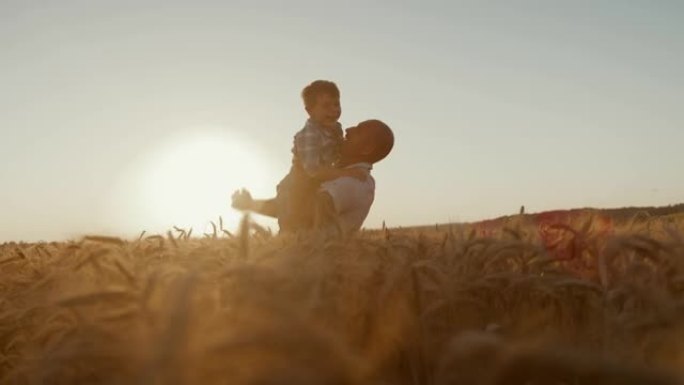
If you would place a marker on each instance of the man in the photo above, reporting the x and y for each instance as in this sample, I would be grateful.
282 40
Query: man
340 205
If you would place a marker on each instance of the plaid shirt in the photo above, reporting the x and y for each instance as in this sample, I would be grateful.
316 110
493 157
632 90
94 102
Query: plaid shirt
316 146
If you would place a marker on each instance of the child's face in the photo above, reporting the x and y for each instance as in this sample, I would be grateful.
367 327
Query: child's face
326 110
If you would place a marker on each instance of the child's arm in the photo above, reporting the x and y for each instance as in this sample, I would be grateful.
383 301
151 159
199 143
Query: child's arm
308 146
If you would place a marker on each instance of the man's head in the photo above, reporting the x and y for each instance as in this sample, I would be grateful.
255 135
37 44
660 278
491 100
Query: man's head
369 141
322 102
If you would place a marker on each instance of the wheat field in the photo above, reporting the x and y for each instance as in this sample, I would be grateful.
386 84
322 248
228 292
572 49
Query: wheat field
448 304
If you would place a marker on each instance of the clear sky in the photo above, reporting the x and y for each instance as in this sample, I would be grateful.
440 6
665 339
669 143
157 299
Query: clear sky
123 116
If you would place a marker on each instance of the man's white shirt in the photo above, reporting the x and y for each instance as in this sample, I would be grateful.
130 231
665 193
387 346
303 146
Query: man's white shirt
352 197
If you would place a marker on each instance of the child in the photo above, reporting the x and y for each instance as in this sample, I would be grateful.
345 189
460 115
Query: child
341 204
315 154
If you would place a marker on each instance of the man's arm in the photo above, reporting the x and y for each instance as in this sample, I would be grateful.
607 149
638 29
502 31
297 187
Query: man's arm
242 200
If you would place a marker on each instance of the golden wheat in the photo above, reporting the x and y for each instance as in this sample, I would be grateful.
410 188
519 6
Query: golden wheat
437 305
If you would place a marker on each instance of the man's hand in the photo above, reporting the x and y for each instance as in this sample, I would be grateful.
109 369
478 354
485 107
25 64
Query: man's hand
242 200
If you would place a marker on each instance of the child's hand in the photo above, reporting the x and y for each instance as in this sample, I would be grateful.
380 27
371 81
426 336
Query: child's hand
242 200
357 173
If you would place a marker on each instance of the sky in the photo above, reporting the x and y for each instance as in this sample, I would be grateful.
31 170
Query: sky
123 116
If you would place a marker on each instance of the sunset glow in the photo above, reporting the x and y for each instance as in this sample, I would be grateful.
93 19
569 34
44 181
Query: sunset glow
186 182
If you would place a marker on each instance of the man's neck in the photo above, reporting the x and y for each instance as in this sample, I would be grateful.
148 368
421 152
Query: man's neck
350 161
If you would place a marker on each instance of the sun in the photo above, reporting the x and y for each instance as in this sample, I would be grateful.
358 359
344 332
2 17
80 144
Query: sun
186 181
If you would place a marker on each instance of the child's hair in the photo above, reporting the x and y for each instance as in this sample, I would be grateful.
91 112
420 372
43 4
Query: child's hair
319 87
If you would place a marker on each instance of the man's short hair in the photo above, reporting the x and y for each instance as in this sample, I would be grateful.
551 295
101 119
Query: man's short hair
381 136
319 87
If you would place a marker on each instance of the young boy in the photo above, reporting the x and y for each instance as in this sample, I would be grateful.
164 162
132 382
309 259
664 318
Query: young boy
315 153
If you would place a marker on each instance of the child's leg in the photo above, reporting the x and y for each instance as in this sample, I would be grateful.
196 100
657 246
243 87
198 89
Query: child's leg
326 217
301 200
283 204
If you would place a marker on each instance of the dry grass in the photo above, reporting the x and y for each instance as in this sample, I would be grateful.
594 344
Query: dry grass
430 306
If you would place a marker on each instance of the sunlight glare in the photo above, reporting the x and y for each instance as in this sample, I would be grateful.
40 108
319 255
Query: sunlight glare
187 182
